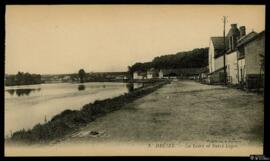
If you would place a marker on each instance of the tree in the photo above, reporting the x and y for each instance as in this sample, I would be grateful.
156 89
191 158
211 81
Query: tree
130 72
81 75
22 78
196 58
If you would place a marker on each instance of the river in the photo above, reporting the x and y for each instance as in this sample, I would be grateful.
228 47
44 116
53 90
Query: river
25 106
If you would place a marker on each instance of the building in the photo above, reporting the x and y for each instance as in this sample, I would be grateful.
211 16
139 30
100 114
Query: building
152 73
231 66
220 49
215 55
251 50
149 74
160 74
121 77
223 55
66 78
242 57
139 75
106 76
181 73
216 59
240 76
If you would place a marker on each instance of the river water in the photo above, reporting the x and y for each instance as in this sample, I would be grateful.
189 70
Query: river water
25 106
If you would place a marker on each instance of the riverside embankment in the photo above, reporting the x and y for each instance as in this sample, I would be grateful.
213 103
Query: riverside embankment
70 120
180 117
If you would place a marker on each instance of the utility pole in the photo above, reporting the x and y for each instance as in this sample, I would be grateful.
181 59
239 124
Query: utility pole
224 53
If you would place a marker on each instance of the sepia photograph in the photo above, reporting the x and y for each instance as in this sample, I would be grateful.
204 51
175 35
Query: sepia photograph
134 80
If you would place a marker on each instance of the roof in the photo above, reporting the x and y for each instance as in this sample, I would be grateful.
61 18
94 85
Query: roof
245 39
259 35
251 38
218 42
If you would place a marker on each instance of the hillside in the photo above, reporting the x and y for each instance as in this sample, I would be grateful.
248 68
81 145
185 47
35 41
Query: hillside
196 58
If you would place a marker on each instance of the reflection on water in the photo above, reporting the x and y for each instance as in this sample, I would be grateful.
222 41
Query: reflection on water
27 105
132 86
22 92
81 87
11 91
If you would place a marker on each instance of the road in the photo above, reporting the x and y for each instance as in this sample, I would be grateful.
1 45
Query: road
180 112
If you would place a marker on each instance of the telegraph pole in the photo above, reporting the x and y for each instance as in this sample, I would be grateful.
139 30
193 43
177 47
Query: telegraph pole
224 54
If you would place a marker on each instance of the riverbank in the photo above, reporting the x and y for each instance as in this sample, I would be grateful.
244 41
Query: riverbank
180 116
179 112
70 120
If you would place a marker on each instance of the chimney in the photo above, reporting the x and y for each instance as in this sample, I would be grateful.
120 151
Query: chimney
233 25
242 31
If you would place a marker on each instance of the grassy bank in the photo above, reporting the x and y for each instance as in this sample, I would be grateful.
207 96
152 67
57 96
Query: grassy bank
70 120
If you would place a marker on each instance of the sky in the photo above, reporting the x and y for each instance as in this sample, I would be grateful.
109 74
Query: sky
54 39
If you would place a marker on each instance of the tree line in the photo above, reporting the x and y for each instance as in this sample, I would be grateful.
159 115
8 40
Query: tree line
22 78
196 58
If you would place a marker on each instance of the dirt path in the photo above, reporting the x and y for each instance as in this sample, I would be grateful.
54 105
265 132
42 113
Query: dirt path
181 112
